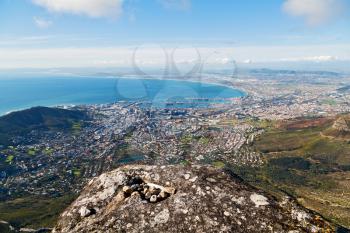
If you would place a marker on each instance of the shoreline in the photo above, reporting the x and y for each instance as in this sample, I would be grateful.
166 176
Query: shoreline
242 92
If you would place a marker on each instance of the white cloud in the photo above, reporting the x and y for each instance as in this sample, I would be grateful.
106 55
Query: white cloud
312 59
42 23
315 12
123 56
91 8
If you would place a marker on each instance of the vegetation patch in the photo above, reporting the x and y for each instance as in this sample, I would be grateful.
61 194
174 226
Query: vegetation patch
218 164
31 152
9 159
34 211
77 172
43 118
304 163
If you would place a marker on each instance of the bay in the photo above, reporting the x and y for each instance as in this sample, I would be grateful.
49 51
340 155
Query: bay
20 93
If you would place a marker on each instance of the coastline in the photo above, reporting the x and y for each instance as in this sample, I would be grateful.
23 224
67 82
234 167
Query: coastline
242 92
212 82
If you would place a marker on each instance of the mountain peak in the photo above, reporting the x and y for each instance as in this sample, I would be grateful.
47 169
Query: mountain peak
139 198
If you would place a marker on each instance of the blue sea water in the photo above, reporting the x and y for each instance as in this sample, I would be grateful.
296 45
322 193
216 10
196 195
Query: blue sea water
20 93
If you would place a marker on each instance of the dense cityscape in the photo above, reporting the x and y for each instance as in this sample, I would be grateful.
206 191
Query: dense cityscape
184 116
54 163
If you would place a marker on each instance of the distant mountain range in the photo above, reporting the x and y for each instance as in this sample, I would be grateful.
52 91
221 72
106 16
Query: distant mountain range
294 72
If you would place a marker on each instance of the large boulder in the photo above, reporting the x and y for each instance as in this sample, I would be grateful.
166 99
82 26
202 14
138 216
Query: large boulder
139 198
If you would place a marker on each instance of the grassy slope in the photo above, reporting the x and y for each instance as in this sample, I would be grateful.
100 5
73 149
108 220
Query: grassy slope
34 212
18 123
307 165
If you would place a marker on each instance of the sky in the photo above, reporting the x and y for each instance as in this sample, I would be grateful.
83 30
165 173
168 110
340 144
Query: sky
121 33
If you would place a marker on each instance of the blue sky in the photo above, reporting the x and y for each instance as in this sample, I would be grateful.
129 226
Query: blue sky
44 33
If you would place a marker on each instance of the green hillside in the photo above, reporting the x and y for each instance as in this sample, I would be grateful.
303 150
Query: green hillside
21 122
309 165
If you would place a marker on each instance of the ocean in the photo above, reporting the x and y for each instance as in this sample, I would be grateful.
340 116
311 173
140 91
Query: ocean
20 93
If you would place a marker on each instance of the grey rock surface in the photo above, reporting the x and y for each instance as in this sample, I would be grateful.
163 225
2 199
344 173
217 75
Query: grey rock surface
139 198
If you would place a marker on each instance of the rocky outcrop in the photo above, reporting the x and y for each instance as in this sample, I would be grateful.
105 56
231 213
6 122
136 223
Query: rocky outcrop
339 130
139 198
341 125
